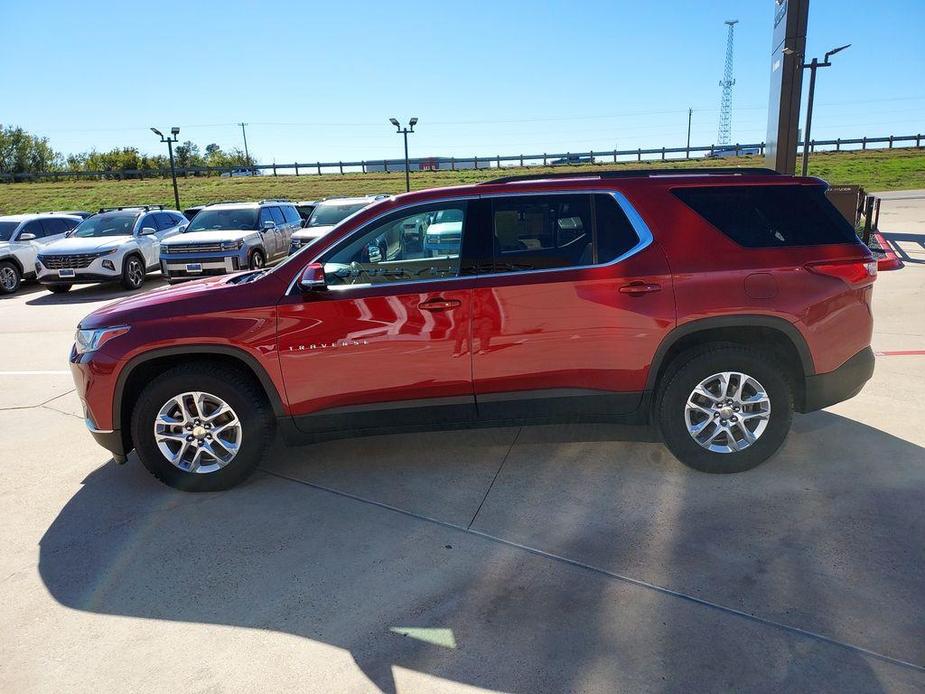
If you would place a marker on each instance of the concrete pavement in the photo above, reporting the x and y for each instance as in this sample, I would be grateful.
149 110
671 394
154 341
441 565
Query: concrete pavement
580 558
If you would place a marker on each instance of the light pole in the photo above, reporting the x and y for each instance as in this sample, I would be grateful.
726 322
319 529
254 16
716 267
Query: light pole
173 171
690 115
809 101
405 131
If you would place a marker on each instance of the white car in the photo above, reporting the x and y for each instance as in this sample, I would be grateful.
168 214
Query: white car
22 237
327 215
234 173
117 245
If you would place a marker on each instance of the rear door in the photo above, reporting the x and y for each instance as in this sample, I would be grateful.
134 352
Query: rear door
279 232
387 343
576 301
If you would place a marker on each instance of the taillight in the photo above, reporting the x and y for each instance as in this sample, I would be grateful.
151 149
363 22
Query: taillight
854 272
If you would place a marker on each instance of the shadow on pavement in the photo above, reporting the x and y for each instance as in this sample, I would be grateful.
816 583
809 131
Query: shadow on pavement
27 287
85 293
396 590
894 238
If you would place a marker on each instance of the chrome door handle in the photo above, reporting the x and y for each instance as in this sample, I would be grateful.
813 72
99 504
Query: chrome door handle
439 304
640 288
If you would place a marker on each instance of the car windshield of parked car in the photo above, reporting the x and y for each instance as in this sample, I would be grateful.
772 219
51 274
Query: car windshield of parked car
327 215
7 229
225 220
118 224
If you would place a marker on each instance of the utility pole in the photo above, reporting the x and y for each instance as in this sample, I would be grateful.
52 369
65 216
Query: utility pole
812 66
247 156
690 114
405 131
175 131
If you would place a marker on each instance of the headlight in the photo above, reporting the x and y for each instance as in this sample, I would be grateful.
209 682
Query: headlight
91 340
109 252
232 245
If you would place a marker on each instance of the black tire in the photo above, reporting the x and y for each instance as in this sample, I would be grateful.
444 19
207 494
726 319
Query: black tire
10 277
58 288
693 367
133 272
233 386
257 261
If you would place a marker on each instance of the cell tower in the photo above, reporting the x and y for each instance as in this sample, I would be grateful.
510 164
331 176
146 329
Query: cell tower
725 107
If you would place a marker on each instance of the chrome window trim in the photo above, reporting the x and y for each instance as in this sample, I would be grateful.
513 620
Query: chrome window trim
643 233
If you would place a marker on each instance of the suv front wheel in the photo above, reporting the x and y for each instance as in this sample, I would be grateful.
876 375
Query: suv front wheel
133 273
724 408
201 428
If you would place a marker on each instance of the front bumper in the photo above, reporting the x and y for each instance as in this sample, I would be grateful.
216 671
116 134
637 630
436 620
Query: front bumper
177 266
94 380
94 272
822 390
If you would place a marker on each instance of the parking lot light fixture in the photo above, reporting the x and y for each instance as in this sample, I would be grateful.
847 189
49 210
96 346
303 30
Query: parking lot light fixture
405 131
812 67
173 137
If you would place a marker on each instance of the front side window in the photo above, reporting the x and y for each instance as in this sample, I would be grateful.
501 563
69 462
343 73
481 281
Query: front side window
290 214
34 227
394 250
265 216
107 224
277 216
53 227
233 219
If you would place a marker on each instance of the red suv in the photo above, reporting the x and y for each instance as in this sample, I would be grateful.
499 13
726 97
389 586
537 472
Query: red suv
712 303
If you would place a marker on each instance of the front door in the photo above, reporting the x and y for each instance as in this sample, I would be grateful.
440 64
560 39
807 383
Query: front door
578 300
387 343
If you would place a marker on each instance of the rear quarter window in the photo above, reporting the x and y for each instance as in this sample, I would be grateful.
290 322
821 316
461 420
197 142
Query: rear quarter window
769 216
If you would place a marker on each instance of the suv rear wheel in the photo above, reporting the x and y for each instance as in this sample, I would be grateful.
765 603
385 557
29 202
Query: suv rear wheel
133 272
201 428
724 408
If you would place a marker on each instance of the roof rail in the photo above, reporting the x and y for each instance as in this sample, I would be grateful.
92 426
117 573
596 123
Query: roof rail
146 208
639 173
265 200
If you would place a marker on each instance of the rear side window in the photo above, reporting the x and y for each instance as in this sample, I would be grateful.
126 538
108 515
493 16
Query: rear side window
540 232
769 216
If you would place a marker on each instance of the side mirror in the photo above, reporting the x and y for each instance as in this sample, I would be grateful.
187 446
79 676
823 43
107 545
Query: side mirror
375 255
182 228
27 237
312 278
269 224
147 231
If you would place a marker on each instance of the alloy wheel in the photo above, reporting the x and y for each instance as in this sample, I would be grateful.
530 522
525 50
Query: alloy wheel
198 432
136 273
8 278
727 412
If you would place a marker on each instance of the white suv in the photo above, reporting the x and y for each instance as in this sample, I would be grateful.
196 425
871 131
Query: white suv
22 237
116 245
327 214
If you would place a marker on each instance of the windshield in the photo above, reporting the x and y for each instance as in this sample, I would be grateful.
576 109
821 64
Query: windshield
225 220
115 224
453 215
326 215
7 229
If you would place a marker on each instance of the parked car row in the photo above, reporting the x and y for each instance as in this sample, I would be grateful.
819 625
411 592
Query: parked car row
125 244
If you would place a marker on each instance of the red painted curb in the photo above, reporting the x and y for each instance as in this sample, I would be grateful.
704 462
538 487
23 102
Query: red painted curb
889 261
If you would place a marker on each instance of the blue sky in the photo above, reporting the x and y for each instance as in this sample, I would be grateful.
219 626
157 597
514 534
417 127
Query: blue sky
320 80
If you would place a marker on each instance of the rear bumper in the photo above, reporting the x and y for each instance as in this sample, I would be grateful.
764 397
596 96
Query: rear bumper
841 384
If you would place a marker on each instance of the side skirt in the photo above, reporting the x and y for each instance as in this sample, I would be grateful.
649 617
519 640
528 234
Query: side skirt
395 418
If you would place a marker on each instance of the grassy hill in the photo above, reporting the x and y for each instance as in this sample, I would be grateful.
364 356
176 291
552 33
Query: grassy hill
881 169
